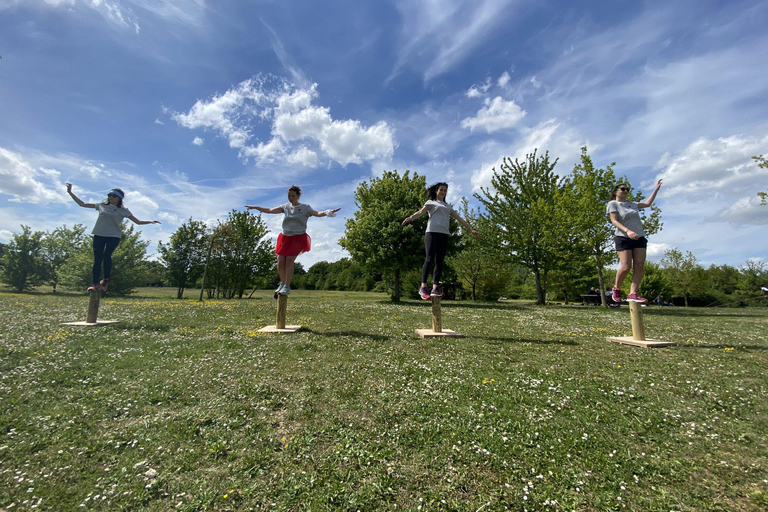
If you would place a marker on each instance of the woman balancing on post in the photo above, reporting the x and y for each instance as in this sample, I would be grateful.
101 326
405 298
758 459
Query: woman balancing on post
436 237
107 232
630 238
294 239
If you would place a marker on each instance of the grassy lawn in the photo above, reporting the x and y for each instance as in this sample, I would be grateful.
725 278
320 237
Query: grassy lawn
185 406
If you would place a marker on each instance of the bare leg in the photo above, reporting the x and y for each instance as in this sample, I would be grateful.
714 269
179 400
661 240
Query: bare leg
281 268
625 263
638 266
288 270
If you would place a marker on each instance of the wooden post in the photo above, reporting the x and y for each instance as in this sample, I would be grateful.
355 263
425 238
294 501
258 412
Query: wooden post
93 307
638 330
282 306
437 324
282 309
636 315
437 321
91 318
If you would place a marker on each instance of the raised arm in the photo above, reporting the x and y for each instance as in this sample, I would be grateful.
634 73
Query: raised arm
264 210
77 199
143 222
416 215
326 213
649 201
465 224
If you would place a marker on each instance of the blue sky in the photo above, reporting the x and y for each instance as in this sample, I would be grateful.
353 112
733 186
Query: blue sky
196 107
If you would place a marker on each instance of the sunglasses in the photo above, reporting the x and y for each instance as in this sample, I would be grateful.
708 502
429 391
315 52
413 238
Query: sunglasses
624 189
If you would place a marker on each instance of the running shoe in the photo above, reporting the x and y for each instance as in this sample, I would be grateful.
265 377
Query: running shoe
437 292
424 292
93 287
103 284
285 290
616 295
633 297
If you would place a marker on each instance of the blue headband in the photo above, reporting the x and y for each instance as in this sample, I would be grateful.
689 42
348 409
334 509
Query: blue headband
117 193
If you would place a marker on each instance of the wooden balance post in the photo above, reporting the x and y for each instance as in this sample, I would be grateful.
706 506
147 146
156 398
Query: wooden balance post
282 308
638 331
437 324
91 318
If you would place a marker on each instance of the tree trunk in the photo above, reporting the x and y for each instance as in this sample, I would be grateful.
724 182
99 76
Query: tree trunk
601 287
685 298
540 292
396 292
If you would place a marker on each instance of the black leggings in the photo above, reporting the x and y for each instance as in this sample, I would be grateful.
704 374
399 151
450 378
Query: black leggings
436 245
103 247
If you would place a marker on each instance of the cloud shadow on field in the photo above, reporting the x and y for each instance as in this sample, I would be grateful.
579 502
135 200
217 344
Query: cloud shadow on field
502 339
455 304
354 334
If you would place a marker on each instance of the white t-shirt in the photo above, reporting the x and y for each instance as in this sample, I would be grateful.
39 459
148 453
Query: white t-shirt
628 214
439 217
110 218
295 220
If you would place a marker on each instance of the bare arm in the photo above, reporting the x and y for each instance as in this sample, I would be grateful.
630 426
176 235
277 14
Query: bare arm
77 199
143 222
465 224
649 201
615 221
326 213
264 210
415 215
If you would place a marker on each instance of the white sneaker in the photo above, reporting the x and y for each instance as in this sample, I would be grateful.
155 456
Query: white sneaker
285 290
279 287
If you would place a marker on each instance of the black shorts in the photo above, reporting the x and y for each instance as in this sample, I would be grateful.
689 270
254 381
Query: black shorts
624 243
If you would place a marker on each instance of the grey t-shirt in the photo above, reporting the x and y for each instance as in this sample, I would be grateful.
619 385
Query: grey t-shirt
110 218
295 220
628 214
439 217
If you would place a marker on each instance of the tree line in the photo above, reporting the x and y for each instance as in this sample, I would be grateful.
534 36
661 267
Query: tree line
542 237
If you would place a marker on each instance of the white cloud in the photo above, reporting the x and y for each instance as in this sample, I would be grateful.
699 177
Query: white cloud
479 90
20 180
497 114
197 141
745 211
504 79
236 113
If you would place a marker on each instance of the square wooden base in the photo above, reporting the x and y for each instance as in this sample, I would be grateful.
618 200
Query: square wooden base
446 333
629 340
98 323
272 328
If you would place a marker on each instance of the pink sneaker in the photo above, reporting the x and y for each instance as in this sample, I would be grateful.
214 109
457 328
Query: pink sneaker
103 284
633 297
437 292
92 288
616 295
424 292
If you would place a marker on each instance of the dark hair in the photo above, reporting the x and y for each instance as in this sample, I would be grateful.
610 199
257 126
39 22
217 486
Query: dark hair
120 199
617 187
432 190
295 188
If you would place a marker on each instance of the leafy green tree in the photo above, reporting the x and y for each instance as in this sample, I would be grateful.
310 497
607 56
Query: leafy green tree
754 275
23 263
522 207
184 255
684 273
654 282
58 247
129 268
241 254
375 236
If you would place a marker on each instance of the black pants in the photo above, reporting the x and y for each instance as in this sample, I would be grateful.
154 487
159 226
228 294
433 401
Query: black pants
103 247
436 244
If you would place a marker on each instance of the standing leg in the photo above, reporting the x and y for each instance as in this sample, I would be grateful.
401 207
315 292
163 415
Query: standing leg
440 241
625 264
431 251
109 247
99 243
281 267
288 271
638 268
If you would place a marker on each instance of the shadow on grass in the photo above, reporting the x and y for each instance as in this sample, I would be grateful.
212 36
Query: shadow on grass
722 346
449 304
508 339
356 334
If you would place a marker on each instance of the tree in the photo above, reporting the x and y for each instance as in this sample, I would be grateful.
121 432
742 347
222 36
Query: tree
683 272
128 264
521 205
241 252
23 264
762 162
184 255
654 282
58 247
375 236
754 275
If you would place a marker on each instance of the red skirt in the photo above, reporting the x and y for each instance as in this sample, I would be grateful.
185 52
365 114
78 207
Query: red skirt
293 245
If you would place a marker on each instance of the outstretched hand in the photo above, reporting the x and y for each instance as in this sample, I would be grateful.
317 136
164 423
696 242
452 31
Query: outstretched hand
69 187
658 185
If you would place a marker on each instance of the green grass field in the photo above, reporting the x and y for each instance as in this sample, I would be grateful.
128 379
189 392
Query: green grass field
185 406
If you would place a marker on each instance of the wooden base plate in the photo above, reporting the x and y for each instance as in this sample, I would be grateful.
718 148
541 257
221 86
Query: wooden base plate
272 328
98 323
446 333
629 340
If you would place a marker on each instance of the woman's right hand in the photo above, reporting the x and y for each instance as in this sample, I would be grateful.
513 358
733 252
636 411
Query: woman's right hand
406 221
631 234
69 188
